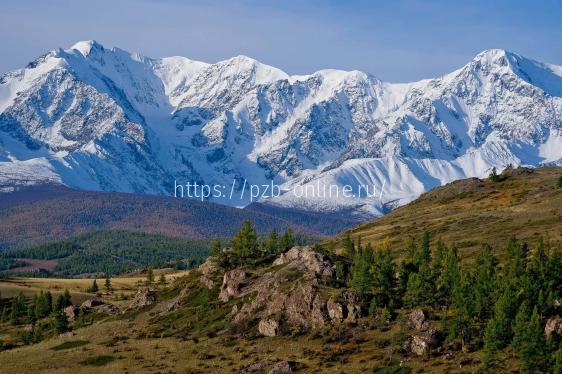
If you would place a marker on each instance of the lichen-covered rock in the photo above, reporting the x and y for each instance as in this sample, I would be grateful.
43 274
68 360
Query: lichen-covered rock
232 284
268 327
345 308
143 298
291 296
91 303
207 270
258 366
418 320
71 312
553 327
422 344
312 260
282 367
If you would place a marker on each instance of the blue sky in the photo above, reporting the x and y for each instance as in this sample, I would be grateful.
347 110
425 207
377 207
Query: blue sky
394 40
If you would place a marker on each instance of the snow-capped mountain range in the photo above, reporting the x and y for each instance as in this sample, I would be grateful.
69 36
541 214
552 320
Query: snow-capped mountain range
105 119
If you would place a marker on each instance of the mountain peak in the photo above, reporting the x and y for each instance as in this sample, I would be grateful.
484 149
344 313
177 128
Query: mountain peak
86 46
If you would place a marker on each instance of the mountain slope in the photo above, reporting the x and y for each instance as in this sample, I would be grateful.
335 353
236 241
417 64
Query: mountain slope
36 215
472 212
105 119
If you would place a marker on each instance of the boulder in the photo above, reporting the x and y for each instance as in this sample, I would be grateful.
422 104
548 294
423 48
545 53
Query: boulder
282 367
258 366
91 303
422 344
143 298
71 312
553 327
418 320
232 284
268 327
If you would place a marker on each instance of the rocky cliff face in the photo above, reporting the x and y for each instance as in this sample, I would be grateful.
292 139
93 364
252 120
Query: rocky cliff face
84 115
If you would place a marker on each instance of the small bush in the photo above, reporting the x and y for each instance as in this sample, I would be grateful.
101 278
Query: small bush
98 360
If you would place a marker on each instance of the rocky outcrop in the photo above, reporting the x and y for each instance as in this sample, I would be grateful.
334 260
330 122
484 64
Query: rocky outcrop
290 297
232 284
426 338
312 260
207 270
143 298
553 327
345 308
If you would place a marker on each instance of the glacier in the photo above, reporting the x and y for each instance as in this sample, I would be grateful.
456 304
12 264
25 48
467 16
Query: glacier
99 118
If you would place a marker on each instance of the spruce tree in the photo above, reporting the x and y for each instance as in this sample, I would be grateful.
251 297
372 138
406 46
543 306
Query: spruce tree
216 247
162 280
271 242
19 309
59 323
532 348
245 242
449 275
287 240
484 285
348 246
150 276
107 283
361 272
383 278
461 324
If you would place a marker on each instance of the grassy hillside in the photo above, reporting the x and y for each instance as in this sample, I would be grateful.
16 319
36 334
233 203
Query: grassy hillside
41 214
523 202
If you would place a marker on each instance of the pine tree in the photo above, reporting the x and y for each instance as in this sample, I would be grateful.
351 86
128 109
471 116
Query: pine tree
484 285
361 273
81 320
162 280
149 276
532 346
520 326
245 242
348 246
494 174
59 323
216 247
107 283
19 309
42 304
414 291
557 361
498 331
93 288
383 278
64 300
559 184
271 242
461 324
449 275
287 240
